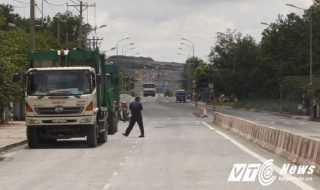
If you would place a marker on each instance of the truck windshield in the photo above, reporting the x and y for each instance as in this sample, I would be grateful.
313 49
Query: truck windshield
149 86
59 82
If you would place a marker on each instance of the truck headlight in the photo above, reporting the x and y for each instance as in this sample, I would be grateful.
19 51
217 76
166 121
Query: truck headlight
32 121
86 120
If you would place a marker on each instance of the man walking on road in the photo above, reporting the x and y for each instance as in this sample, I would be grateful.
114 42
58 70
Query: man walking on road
135 108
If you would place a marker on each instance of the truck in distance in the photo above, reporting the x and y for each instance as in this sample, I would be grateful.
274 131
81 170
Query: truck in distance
149 89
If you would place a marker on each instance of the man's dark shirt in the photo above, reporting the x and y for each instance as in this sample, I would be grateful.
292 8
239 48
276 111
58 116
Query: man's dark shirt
136 108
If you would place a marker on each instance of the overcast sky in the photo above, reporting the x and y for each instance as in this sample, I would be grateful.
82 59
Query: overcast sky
157 26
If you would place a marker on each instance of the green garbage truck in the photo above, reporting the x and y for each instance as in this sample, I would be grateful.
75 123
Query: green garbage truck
66 96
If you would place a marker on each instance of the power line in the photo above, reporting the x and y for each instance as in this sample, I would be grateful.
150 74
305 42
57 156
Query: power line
148 25
54 4
38 8
21 7
21 2
50 6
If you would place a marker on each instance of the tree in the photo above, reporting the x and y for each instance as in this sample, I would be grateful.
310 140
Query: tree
189 71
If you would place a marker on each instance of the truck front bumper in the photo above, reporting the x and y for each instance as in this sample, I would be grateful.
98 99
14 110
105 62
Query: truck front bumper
53 121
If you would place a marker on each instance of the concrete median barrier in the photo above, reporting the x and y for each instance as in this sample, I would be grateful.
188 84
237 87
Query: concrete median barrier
296 148
201 112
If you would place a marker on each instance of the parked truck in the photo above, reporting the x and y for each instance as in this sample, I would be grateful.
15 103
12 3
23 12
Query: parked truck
149 89
113 97
66 96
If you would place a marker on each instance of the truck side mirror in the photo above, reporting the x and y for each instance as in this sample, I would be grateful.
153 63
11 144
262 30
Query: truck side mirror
99 79
16 77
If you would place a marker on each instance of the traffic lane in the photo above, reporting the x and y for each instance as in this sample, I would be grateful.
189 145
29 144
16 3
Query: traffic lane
303 127
66 165
180 152
73 167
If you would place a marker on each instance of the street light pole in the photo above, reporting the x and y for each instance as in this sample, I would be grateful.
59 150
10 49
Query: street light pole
311 106
188 67
120 41
32 26
186 51
192 55
134 54
310 38
125 46
128 50
188 70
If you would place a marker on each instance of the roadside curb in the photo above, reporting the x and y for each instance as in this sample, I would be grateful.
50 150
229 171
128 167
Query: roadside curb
296 117
13 145
296 148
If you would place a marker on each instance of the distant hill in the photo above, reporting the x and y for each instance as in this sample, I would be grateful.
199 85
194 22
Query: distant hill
145 69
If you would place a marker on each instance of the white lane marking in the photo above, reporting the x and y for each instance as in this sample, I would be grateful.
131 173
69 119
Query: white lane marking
126 157
168 118
130 151
287 123
272 122
115 173
121 164
260 158
302 123
133 146
192 115
106 187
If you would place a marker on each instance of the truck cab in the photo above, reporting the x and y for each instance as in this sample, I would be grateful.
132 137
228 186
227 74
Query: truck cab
180 96
66 96
149 89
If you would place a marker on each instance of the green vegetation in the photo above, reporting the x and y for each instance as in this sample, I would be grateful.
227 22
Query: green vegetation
258 73
168 93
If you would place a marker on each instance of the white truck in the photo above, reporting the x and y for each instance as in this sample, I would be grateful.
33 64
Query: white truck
149 89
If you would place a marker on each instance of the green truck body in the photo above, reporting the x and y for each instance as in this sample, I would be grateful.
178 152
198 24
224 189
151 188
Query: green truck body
113 99
66 96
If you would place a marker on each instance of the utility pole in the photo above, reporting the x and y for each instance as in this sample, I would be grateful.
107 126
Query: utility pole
59 31
95 42
67 40
80 23
32 26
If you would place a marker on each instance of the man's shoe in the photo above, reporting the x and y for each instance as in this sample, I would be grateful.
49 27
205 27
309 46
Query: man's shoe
141 136
124 135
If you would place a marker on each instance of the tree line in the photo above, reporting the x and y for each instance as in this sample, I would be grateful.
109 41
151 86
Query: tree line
278 66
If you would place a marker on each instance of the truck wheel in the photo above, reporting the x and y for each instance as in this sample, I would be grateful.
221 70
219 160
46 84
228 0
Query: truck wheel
112 123
116 118
92 136
103 136
32 137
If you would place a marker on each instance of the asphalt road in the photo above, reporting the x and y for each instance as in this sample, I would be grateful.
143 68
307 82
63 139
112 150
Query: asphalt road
180 151
284 122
